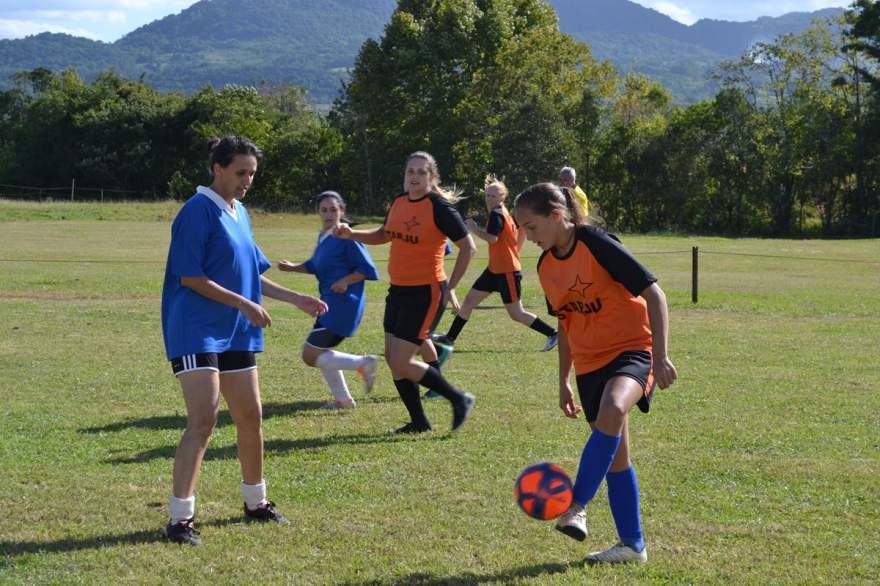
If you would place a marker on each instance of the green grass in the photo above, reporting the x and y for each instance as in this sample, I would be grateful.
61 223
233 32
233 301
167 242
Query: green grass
759 466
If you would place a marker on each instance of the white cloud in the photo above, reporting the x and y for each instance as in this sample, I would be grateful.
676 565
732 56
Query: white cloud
675 12
113 16
106 19
16 29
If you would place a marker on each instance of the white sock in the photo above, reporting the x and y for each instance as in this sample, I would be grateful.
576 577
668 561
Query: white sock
254 495
339 360
181 509
336 382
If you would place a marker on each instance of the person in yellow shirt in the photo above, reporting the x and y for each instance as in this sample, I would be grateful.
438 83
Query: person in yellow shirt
568 178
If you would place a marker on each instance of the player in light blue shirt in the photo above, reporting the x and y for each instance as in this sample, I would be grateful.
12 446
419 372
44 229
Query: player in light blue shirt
212 323
341 267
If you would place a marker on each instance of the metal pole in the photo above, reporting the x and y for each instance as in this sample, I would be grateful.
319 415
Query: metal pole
102 195
695 269
72 183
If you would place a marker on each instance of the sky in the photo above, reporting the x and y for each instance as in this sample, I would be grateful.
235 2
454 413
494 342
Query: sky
108 20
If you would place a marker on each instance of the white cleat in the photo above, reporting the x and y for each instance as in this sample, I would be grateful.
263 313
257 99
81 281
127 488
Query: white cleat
573 523
618 554
340 404
368 371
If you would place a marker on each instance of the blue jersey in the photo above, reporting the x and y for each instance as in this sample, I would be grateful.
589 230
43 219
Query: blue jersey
333 259
207 241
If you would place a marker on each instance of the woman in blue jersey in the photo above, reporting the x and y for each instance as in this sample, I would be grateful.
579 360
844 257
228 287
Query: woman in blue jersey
212 323
341 267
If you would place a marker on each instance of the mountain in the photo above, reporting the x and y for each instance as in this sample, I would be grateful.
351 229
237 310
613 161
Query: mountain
313 43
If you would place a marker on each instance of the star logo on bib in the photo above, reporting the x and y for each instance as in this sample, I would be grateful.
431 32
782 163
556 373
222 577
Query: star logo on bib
580 287
410 224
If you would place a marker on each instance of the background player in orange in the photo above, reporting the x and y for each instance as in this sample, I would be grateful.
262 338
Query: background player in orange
503 273
614 323
417 225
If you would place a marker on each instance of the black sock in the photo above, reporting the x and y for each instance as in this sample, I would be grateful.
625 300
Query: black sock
435 364
409 394
455 328
542 327
435 381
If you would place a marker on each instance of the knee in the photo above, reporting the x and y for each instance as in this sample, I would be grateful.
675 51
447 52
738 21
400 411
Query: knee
611 417
399 367
308 357
200 428
250 419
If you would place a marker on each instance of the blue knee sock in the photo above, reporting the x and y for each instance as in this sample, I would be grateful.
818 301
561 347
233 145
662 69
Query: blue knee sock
595 461
623 497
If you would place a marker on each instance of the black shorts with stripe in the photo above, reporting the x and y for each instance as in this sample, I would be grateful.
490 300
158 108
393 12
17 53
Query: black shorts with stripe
321 337
636 365
412 312
508 284
224 363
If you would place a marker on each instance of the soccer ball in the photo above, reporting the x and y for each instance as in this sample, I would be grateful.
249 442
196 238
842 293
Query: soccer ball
543 491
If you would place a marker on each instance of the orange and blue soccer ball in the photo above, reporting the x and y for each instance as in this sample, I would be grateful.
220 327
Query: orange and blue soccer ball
543 491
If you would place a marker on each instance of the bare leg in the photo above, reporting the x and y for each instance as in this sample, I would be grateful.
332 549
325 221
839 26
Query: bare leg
201 392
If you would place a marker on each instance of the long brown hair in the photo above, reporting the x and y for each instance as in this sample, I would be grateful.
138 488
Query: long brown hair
451 195
544 198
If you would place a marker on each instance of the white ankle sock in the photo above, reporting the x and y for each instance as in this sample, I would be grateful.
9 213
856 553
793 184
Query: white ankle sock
336 382
339 360
181 509
254 495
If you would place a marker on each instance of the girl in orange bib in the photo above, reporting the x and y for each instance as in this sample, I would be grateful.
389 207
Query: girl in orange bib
613 329
417 225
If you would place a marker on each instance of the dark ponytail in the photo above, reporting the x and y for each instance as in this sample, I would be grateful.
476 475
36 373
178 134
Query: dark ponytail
544 198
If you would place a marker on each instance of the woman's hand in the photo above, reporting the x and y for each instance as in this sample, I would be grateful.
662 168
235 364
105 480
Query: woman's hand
567 404
255 314
310 305
453 298
286 266
664 372
340 286
343 231
471 224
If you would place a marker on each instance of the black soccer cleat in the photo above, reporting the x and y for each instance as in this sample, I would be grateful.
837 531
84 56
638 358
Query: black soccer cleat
413 428
266 513
461 410
443 339
182 532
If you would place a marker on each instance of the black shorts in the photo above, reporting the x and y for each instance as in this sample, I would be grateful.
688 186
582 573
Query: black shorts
225 362
508 284
634 364
321 337
412 312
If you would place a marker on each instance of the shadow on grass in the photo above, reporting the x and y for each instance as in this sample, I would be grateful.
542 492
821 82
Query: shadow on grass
270 410
8 549
278 446
506 577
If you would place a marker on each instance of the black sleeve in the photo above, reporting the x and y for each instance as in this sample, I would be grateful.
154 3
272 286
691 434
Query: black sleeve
495 223
617 260
448 220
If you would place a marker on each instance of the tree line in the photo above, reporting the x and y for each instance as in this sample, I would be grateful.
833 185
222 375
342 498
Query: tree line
789 145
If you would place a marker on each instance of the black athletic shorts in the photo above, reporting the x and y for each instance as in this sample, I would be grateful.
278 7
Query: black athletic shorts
225 362
321 337
508 284
634 364
412 312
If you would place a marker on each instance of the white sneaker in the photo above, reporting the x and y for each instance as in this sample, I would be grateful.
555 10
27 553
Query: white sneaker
552 340
368 371
618 554
340 404
573 523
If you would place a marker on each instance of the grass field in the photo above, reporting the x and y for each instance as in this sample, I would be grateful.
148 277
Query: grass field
761 465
